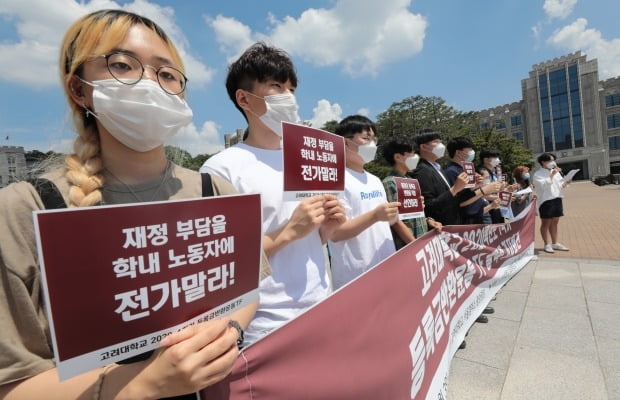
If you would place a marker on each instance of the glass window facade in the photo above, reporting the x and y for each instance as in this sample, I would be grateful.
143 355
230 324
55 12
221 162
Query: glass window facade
614 143
560 106
612 100
518 136
515 120
613 121
500 124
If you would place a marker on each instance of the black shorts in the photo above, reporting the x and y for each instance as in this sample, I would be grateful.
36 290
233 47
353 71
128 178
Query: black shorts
551 208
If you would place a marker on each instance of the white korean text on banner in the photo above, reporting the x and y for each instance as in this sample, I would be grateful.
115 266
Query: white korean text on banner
392 332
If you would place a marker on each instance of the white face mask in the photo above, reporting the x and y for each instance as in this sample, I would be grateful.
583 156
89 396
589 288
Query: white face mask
280 108
470 156
439 150
494 162
412 162
140 116
551 165
367 151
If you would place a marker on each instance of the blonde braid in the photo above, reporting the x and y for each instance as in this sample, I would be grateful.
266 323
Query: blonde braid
84 167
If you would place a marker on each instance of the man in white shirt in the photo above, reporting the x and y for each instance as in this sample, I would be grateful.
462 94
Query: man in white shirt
365 239
548 183
261 84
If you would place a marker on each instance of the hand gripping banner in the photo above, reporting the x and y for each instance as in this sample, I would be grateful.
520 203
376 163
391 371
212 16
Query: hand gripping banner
392 332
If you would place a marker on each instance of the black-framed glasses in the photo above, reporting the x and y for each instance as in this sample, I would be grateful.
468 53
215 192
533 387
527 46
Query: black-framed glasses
127 69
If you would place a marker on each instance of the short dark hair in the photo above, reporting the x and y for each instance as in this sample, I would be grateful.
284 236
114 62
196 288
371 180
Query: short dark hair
259 63
426 136
353 124
488 153
458 143
396 146
544 157
481 169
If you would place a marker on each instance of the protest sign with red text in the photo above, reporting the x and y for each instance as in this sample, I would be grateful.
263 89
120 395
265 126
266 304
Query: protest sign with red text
409 195
313 162
469 168
505 198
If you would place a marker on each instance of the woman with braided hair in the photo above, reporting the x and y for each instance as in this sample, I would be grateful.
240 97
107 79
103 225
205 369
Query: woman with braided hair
124 83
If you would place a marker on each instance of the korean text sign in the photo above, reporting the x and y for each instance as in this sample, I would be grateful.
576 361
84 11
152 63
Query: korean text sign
505 198
313 162
432 291
471 174
118 279
409 195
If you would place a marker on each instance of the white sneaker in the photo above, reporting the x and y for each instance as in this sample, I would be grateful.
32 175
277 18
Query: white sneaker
559 246
549 249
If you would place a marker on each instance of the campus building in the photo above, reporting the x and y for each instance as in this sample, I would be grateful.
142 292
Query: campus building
12 164
566 110
231 139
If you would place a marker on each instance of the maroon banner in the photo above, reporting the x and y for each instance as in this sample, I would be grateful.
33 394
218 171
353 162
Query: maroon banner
313 161
409 195
115 277
392 332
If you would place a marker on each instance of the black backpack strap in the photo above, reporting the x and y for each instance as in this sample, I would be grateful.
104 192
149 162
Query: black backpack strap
207 185
49 193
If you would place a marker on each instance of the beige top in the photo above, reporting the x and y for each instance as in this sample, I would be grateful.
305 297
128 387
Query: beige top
25 343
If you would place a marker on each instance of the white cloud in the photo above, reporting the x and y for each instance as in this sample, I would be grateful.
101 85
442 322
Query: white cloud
325 111
207 140
577 36
363 111
360 36
559 8
31 59
232 36
64 146
536 32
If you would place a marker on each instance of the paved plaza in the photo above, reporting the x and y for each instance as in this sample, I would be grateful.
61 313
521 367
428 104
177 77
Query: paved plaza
555 333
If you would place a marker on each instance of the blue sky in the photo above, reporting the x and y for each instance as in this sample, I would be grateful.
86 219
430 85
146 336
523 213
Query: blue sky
352 56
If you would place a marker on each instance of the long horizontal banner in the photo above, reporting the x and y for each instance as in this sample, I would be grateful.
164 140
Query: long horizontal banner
391 333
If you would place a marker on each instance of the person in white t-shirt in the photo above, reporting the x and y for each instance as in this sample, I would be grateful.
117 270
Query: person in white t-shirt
365 239
261 84
548 183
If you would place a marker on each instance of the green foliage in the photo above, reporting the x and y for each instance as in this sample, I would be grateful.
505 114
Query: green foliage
196 162
184 159
177 155
512 152
404 119
377 169
330 126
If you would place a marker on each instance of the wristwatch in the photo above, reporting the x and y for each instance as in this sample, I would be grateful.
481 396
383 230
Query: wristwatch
234 324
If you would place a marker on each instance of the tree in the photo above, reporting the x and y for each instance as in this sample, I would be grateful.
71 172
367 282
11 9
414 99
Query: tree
512 152
330 126
178 156
404 119
196 162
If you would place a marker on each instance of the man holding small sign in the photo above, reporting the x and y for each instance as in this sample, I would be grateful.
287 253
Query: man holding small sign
400 155
461 152
261 83
365 238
